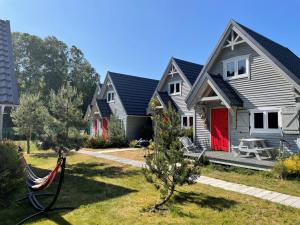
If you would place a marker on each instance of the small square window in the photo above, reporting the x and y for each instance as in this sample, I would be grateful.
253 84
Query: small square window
184 121
242 66
174 88
110 96
258 120
230 69
273 120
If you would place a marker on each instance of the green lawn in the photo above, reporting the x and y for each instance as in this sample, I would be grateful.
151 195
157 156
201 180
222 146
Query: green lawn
105 192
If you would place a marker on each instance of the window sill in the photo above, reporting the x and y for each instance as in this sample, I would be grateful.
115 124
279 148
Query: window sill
110 101
175 94
266 131
237 77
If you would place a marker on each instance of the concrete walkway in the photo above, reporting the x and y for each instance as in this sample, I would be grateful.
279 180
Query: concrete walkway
272 196
116 150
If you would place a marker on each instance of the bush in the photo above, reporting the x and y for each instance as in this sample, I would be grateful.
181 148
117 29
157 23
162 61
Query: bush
289 167
116 133
133 143
151 145
187 132
10 168
97 142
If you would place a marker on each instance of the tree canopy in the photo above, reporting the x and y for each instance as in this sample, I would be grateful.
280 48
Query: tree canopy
46 64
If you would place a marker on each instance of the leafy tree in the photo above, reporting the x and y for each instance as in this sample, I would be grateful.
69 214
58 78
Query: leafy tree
46 64
167 166
30 116
66 117
116 132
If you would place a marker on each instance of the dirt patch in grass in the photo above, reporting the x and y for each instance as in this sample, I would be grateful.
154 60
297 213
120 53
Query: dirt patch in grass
138 154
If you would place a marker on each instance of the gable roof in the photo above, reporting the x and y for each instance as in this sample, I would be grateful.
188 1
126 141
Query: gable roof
190 70
277 55
285 56
104 108
227 90
8 83
134 92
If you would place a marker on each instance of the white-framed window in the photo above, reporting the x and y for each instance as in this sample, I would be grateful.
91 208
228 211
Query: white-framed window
237 67
175 88
187 121
110 96
265 120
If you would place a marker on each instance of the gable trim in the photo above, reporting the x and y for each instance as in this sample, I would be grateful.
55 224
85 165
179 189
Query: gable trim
190 99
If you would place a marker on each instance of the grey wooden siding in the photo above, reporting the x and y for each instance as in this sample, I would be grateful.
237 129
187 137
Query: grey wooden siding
266 87
178 99
116 106
134 126
202 133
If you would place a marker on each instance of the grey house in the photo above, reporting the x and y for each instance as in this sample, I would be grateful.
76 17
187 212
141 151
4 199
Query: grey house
249 87
174 86
127 98
8 84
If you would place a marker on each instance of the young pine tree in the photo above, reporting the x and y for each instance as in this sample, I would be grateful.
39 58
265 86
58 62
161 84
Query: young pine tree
167 166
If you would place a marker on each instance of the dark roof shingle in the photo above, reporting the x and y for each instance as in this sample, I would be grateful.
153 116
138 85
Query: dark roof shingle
104 108
164 96
134 92
285 56
226 88
8 83
190 70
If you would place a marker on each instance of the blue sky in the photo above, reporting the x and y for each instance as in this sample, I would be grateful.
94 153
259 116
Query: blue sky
138 37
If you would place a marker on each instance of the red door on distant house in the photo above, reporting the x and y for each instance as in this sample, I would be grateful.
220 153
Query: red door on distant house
95 126
104 128
219 129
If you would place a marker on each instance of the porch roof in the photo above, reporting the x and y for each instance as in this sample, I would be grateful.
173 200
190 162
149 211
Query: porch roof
104 108
166 99
223 90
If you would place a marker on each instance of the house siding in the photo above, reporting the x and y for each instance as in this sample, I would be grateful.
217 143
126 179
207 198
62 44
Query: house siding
265 87
178 99
116 107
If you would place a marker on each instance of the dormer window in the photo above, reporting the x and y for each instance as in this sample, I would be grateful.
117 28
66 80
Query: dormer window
110 96
237 67
175 88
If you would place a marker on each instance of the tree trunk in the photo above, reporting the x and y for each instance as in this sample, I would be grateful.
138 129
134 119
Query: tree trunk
28 142
158 206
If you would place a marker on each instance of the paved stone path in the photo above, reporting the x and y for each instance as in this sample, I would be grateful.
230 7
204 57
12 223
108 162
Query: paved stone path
116 150
272 196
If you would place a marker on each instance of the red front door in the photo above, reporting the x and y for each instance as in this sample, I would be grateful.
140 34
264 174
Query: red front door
219 129
95 127
104 128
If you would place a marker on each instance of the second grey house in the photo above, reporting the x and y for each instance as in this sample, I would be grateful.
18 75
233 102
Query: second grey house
174 86
250 87
125 97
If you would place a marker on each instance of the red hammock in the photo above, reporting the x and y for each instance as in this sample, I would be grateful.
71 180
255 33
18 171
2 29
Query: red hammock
34 182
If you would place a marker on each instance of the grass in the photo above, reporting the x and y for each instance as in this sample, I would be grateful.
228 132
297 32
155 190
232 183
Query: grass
106 192
137 154
254 178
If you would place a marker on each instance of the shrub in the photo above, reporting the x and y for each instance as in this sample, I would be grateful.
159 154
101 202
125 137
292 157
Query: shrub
151 146
133 143
116 133
188 132
10 168
98 142
289 167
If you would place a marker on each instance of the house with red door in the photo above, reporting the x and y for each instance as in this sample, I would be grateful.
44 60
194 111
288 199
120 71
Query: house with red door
126 97
174 86
249 87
